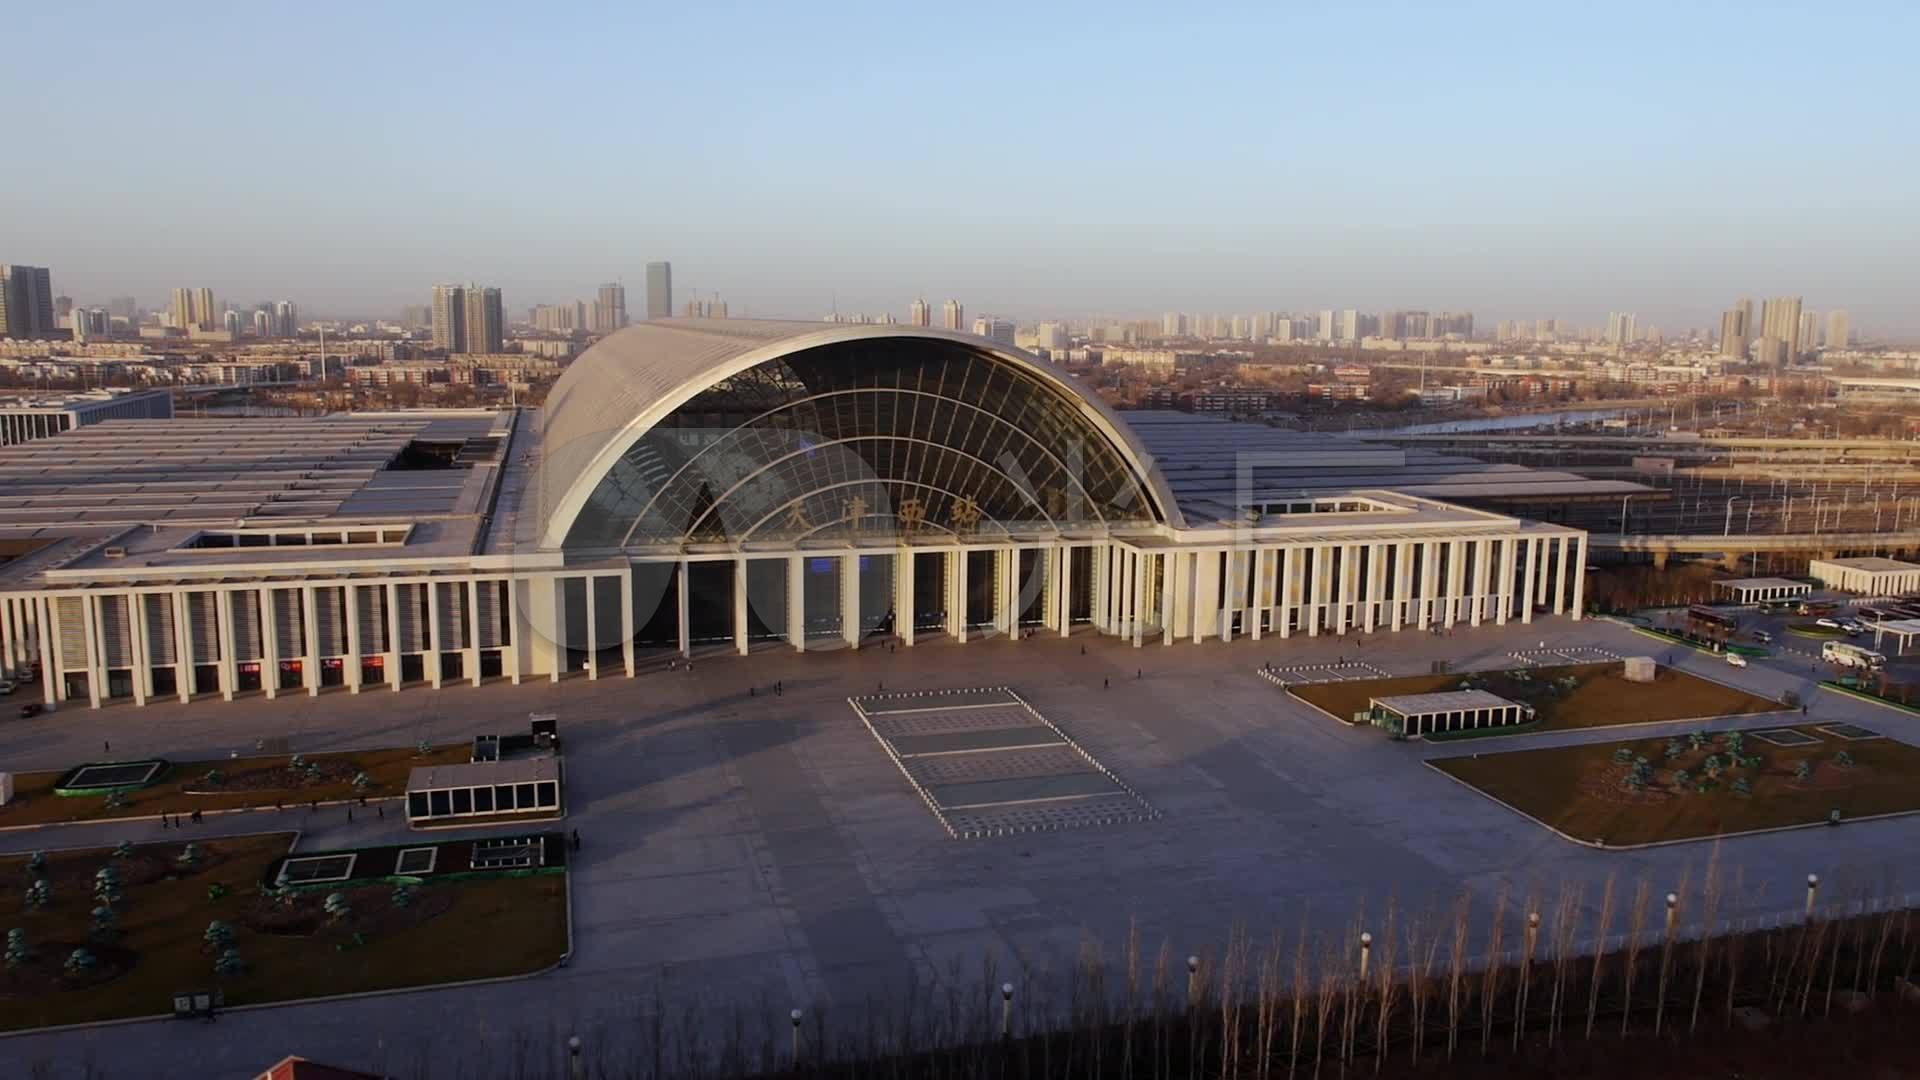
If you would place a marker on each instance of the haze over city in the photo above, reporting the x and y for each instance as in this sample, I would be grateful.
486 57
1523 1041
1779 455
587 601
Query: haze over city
1040 161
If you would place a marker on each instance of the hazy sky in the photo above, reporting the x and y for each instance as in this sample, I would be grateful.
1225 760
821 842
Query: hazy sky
1515 159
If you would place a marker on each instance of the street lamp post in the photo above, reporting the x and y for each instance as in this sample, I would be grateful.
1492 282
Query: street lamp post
1726 529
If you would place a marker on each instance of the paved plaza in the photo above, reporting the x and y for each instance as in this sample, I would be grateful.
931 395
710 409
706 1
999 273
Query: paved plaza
753 851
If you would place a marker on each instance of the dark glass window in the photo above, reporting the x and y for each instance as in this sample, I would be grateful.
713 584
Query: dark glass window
416 804
549 793
463 800
483 800
503 797
442 805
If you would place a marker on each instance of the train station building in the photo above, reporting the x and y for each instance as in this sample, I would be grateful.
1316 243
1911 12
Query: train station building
693 486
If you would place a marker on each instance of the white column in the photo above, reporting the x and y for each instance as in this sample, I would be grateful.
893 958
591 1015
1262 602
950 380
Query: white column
1138 598
435 644
1376 584
310 630
1261 558
1560 579
1504 593
1580 577
1482 573
1206 593
183 677
1235 583
514 657
351 668
1063 588
628 629
593 628
850 599
797 603
1287 594
223 625
682 598
8 636
1322 580
46 636
394 677
1527 579
1402 582
957 610
472 625
1006 587
1456 579
142 666
269 642
739 606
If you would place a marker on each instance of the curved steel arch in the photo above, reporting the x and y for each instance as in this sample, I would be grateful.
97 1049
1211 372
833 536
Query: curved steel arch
719 446
605 452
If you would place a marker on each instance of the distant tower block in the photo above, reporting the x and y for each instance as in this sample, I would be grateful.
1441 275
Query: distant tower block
1638 668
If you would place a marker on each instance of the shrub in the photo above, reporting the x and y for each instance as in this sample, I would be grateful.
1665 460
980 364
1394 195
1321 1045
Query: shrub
1742 787
1803 770
361 781
1713 766
19 950
216 892
189 855
229 962
218 935
336 906
1843 759
423 748
1681 779
116 799
297 762
1623 756
123 850
37 863
106 922
402 895
79 961
214 778
1675 748
39 894
1736 743
1697 740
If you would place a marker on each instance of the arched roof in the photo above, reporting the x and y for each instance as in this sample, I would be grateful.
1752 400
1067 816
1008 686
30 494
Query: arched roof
616 391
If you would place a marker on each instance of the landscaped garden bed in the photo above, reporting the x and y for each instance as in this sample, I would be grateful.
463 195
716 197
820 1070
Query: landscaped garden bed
1563 697
1700 785
198 915
182 787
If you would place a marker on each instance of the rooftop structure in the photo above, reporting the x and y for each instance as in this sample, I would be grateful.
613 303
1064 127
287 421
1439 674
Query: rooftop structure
714 483
24 417
1449 710
1869 575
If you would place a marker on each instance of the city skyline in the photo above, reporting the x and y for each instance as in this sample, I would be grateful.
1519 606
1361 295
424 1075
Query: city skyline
1593 191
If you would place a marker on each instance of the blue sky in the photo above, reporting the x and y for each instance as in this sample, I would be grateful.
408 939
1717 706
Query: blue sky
1517 159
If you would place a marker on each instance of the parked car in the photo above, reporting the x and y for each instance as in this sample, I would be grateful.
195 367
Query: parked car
1763 637
1736 659
31 709
1828 624
6 687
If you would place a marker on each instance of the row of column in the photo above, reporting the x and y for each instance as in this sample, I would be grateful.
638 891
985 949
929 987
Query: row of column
1129 592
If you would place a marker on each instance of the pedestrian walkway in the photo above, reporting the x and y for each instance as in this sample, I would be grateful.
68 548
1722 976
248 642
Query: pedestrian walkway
1577 654
1339 671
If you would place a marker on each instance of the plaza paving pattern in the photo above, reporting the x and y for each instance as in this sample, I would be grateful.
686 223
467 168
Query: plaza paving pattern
748 851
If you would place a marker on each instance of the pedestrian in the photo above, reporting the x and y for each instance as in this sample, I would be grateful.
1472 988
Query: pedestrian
1106 684
196 817
380 812
277 805
1137 673
363 800
163 821
753 691
106 747
1083 650
349 815
576 839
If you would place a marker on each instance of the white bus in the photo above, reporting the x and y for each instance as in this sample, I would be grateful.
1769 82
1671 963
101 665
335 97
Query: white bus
1853 656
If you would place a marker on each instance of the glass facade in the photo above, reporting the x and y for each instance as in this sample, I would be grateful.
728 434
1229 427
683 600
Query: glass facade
867 438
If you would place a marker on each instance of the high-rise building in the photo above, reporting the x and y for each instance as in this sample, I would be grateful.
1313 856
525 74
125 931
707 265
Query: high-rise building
1620 327
123 307
263 323
919 314
1809 331
1780 321
286 319
193 310
659 290
1838 330
90 324
486 320
1325 329
450 318
1735 331
612 307
26 301
230 322
997 330
1349 325
952 315
1054 335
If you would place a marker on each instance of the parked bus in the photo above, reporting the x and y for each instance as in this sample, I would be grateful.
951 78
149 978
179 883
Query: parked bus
1713 617
1853 656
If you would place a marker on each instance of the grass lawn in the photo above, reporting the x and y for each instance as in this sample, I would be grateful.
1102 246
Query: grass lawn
248 782
1578 789
1601 698
1812 630
162 919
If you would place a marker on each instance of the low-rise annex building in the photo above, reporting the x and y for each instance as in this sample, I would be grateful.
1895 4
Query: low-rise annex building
729 484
